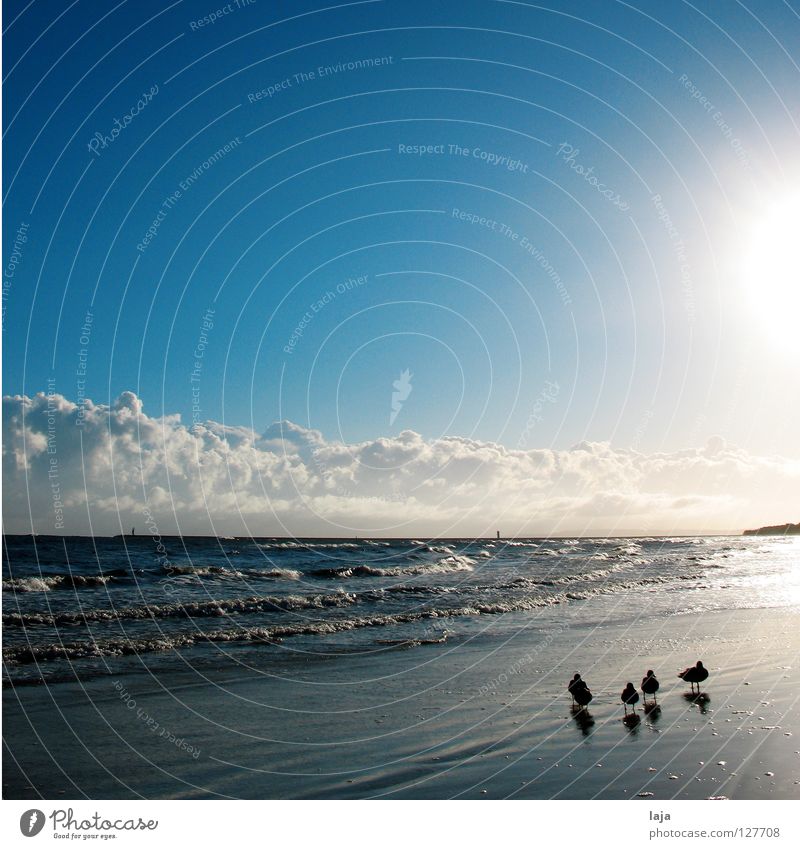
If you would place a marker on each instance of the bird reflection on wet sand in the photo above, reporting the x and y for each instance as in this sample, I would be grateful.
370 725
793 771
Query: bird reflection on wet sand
583 719
700 699
632 721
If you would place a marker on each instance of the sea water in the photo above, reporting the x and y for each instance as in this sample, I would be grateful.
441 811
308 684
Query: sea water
78 607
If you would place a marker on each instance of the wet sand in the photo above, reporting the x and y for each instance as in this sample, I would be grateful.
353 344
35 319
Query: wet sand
488 717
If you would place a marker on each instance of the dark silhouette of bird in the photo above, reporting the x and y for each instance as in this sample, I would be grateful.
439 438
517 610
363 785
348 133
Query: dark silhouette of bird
650 685
629 697
576 681
694 674
582 695
579 691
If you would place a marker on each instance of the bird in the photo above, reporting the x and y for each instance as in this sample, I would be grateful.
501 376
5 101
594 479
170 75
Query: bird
582 694
650 685
579 691
694 674
629 697
573 684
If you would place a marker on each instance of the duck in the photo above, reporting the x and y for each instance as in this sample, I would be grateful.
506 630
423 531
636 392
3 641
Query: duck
581 694
576 683
579 691
650 685
629 697
694 674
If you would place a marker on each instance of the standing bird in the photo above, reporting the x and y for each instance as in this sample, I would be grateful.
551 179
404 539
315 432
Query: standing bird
583 695
579 691
629 697
694 674
573 684
650 685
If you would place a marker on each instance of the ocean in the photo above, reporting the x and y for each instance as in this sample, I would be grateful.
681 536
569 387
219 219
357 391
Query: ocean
79 608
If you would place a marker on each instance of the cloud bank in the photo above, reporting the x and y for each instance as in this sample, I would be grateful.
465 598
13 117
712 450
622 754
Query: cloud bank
103 469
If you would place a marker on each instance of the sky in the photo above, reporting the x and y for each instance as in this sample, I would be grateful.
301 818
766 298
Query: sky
400 267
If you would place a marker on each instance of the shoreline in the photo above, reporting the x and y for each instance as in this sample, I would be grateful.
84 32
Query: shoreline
486 718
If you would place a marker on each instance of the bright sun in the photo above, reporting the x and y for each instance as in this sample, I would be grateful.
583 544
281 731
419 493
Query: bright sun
772 270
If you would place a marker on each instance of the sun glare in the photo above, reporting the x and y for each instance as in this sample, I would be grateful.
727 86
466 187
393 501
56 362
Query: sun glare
772 270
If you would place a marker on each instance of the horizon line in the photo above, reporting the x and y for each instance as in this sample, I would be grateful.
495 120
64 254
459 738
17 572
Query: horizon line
630 535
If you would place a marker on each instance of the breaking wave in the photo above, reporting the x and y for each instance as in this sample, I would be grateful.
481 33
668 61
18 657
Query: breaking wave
45 583
188 610
222 572
453 563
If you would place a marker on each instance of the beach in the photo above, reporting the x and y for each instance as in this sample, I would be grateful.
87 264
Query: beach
486 717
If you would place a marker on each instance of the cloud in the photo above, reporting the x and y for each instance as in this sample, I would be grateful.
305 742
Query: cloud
104 468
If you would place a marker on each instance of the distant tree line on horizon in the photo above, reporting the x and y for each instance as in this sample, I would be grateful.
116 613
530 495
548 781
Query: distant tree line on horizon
774 530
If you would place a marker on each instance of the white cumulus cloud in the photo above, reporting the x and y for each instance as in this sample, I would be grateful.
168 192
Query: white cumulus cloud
104 468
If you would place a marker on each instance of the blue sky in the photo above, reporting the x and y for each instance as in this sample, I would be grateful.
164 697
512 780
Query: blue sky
539 257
